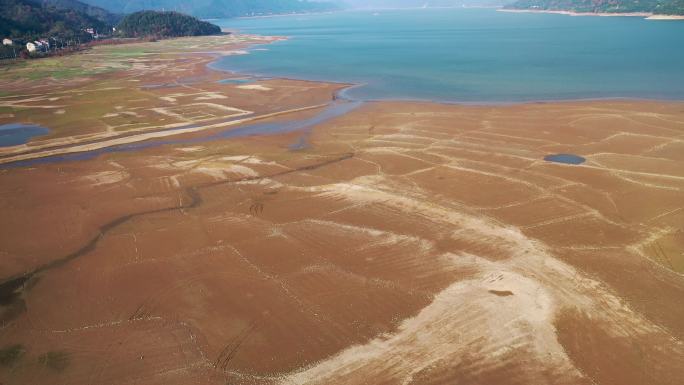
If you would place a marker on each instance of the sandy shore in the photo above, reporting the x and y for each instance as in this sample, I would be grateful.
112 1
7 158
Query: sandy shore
647 15
665 17
403 242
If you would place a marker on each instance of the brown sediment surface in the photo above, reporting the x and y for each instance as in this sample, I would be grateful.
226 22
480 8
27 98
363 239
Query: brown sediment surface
408 243
501 293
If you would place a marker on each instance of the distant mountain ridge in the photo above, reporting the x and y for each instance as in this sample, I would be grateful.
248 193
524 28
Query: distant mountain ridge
216 8
659 7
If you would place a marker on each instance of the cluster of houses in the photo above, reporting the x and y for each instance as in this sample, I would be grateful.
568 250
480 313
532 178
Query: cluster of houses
44 45
40 45
95 35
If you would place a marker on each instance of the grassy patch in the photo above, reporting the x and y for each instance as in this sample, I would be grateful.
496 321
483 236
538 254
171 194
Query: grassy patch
65 67
87 63
128 52
11 354
55 360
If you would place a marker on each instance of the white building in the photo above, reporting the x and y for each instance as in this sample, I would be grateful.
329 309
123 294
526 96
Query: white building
38 46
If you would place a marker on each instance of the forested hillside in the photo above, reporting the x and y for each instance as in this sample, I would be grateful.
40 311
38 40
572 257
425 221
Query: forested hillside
164 24
661 7
27 20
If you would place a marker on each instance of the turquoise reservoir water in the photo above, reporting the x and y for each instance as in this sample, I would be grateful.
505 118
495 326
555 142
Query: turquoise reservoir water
472 55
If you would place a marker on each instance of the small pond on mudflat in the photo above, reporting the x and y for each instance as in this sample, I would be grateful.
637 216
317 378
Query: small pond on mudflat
236 81
565 158
14 134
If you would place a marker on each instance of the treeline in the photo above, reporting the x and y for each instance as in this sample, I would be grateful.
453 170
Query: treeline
660 7
164 24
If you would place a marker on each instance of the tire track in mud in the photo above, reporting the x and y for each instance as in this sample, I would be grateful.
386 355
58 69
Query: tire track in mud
13 288
230 350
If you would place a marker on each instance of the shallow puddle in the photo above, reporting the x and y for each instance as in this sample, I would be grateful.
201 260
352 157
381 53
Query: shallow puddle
565 158
14 134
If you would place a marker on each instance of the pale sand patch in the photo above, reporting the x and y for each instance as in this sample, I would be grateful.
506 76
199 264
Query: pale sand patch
224 108
215 172
665 17
106 177
257 87
167 112
242 170
382 237
646 15
211 95
183 164
178 112
466 317
236 158
191 149
571 13
253 160
220 171
463 319
248 159
174 181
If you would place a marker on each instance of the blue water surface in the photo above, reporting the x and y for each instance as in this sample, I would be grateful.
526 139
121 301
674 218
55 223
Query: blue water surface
335 109
565 158
14 134
471 55
235 81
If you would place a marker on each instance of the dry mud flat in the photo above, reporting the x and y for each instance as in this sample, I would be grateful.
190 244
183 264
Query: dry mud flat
406 243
